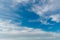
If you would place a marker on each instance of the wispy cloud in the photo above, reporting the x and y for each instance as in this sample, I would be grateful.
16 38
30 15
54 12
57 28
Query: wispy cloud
55 17
10 31
42 10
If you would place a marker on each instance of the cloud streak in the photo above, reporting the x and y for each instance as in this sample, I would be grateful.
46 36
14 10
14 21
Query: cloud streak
10 31
46 10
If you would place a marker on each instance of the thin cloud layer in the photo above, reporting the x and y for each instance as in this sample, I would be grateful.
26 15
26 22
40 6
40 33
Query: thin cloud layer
41 8
50 6
9 31
12 31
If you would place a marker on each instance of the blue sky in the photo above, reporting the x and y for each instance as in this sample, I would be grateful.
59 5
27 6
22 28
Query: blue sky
29 19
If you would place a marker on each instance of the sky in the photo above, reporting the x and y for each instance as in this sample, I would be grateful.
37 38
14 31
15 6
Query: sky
29 19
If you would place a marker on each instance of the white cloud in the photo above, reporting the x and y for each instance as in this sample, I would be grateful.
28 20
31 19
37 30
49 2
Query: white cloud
42 10
55 17
8 27
10 31
55 5
6 10
22 1
51 5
